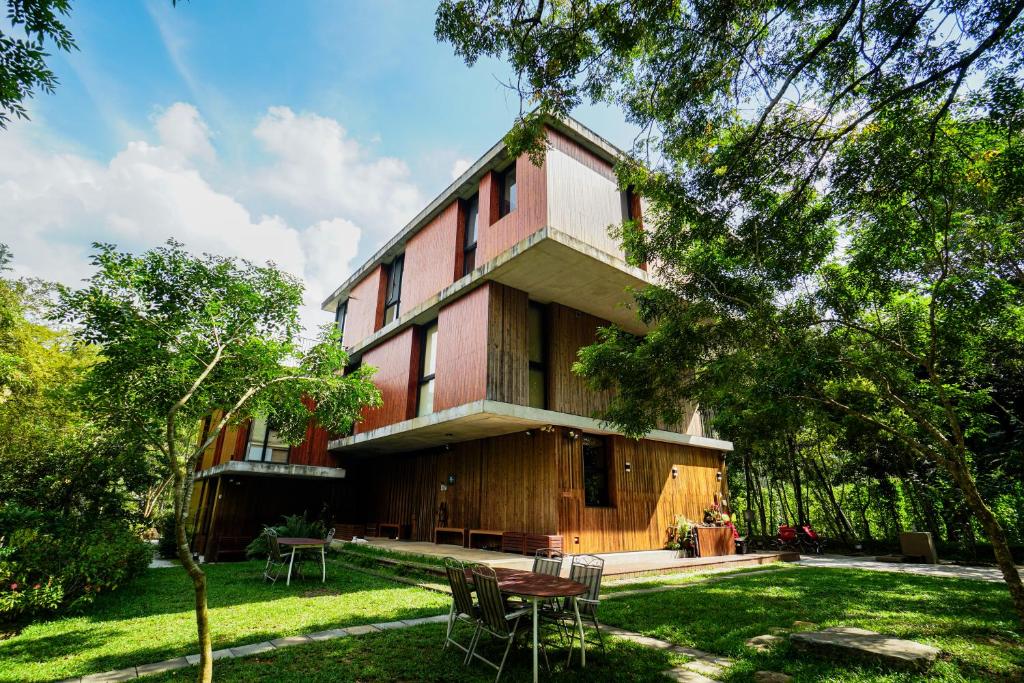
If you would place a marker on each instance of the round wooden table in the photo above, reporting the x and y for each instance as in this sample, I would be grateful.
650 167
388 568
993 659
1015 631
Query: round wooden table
303 543
535 588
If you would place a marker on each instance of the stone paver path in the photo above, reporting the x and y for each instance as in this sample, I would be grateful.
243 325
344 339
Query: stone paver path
700 666
940 570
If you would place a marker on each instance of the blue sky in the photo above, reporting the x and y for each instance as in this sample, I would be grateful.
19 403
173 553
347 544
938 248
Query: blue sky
303 132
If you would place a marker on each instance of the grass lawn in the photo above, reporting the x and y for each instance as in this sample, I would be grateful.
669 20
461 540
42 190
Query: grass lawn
659 580
415 654
152 619
971 621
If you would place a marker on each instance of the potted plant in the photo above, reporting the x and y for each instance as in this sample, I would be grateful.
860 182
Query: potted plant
684 536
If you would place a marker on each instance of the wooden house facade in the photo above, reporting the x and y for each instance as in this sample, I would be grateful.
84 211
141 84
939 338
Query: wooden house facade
473 315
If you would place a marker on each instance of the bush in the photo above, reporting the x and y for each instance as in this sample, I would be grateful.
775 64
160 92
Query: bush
297 526
167 546
44 568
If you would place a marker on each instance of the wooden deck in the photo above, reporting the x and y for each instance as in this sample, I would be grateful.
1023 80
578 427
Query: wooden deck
617 565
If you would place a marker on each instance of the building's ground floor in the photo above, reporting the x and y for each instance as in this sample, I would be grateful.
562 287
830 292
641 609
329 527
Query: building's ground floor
593 492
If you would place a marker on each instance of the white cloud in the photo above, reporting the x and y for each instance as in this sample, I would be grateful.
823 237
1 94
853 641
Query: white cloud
320 170
459 167
53 204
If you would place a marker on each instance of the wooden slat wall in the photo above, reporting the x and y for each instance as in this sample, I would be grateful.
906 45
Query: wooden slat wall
397 363
496 235
430 257
461 372
645 500
365 307
568 331
507 360
563 144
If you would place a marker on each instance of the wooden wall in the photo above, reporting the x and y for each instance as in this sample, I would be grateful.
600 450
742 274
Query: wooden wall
568 331
430 257
365 307
461 371
507 360
498 234
397 363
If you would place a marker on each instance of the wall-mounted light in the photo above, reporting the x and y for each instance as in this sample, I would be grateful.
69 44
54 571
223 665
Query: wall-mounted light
573 435
629 467
675 472
529 432
718 476
451 480
576 540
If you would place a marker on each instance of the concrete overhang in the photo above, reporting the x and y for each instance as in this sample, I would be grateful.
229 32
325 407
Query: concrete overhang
551 266
268 469
481 419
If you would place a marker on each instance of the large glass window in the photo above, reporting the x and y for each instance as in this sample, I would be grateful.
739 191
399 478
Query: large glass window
428 363
339 315
265 445
538 367
393 294
469 234
507 186
595 472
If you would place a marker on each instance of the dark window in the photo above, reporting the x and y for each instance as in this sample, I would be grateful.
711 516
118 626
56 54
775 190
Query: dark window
507 187
393 295
469 234
265 445
339 315
537 336
595 472
628 209
428 363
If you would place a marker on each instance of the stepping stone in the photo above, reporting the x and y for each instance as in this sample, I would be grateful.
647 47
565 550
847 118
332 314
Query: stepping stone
765 642
290 640
119 675
254 649
845 641
160 667
804 624
686 676
771 677
328 635
360 630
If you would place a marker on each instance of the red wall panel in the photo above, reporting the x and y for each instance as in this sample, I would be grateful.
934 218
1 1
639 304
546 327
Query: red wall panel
397 363
498 234
430 258
461 372
365 307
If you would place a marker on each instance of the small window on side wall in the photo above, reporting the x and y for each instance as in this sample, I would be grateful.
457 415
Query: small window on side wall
469 235
507 200
536 334
596 480
393 293
265 445
428 364
339 316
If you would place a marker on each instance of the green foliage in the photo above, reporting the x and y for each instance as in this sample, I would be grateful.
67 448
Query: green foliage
23 67
167 545
295 526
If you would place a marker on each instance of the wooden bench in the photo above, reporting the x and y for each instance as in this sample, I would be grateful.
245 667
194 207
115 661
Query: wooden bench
535 542
388 530
345 531
513 542
449 532
487 539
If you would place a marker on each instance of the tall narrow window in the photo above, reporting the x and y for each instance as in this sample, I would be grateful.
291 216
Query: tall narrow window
629 212
265 444
393 294
339 315
595 472
428 362
507 187
469 234
538 370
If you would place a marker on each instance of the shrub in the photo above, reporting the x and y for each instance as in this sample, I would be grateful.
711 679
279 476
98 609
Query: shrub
167 546
44 568
297 526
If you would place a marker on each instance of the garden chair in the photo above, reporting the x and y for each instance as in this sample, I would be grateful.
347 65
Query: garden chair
548 561
276 561
462 608
493 618
588 570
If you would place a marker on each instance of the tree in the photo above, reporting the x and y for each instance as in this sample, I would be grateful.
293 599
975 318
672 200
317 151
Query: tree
878 284
23 67
185 337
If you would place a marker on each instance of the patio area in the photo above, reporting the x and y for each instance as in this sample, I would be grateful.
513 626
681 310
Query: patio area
620 565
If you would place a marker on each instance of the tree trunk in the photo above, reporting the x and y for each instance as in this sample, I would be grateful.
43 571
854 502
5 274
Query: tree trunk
993 529
791 450
846 531
181 499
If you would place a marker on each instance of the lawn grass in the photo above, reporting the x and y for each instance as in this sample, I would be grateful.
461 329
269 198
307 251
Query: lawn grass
372 551
152 619
680 578
972 622
415 654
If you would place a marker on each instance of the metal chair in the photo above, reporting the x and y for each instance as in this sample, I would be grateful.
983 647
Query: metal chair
275 560
330 537
588 570
493 618
548 561
462 608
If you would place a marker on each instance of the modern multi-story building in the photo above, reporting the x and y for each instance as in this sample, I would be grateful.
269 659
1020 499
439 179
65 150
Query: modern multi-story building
473 315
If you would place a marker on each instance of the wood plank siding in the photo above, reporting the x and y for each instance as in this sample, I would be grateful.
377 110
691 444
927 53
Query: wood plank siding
365 307
430 257
397 363
571 330
498 234
507 361
462 351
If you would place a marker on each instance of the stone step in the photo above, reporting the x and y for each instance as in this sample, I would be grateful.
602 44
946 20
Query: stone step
845 641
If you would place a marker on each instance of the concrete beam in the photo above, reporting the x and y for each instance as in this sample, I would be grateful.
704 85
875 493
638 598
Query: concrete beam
269 469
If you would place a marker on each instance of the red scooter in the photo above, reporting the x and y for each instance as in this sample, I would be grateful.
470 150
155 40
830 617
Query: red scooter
803 539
